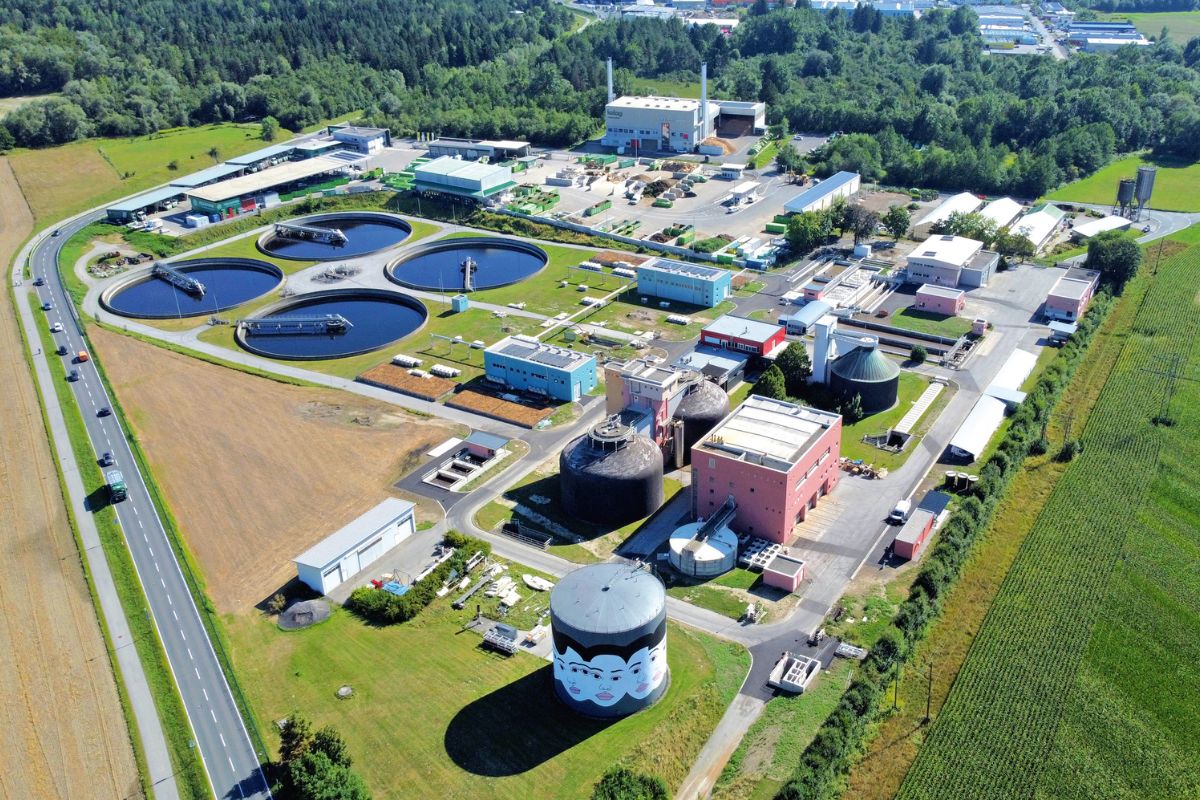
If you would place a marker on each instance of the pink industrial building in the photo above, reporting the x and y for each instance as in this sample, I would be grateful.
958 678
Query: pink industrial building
784 571
940 300
776 459
1071 295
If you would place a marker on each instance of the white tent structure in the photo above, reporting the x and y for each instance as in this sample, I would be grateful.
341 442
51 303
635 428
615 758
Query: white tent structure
972 437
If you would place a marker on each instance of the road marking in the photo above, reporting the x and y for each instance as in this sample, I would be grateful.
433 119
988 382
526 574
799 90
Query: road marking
232 767
214 714
184 635
223 741
144 537
192 657
135 511
197 671
164 583
173 614
140 525
205 692
169 602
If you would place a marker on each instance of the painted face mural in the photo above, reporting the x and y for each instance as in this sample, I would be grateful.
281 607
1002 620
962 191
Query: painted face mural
607 679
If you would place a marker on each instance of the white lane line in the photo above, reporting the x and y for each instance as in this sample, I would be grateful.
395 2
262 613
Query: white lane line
223 741
232 767
169 601
173 614
140 525
164 583
197 671
156 569
151 549
214 714
192 657
145 538
135 511
205 693
184 635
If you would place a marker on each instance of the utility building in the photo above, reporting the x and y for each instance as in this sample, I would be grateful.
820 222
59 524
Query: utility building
952 261
821 195
355 547
1072 294
776 459
686 283
466 180
525 364
744 335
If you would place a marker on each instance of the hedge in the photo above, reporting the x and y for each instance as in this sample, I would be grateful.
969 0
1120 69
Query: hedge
841 735
384 608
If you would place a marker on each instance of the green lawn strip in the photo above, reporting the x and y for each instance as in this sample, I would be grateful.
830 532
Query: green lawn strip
193 782
1174 185
711 597
750 288
935 324
1181 25
432 709
1055 595
912 384
739 394
866 617
771 748
766 155
187 563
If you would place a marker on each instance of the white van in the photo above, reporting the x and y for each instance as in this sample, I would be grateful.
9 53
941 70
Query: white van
900 513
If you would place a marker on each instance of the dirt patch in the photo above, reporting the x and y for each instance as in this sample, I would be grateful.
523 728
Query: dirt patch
398 379
65 735
609 258
496 408
882 201
256 471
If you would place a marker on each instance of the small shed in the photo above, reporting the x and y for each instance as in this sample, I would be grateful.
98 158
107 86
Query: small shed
459 303
912 536
350 550
1061 331
484 445
784 572
798 323
732 172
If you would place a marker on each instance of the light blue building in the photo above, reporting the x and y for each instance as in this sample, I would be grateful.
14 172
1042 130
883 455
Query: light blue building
524 364
685 283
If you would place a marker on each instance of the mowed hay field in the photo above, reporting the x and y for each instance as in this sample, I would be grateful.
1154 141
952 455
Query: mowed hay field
256 471
60 181
64 732
434 715
1083 680
1174 185
1181 25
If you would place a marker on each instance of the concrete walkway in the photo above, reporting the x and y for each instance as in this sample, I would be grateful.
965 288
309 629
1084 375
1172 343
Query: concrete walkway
133 678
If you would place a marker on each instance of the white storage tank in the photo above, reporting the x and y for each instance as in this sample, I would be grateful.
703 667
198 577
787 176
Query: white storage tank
703 556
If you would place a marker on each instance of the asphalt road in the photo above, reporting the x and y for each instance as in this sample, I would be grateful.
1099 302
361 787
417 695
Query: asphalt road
232 765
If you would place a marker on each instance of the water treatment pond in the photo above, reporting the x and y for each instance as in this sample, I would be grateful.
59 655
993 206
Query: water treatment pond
440 266
365 233
226 283
376 318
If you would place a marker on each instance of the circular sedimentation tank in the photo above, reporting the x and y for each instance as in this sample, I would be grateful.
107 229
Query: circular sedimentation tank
375 317
702 407
611 475
707 558
866 372
608 625
443 266
365 232
224 282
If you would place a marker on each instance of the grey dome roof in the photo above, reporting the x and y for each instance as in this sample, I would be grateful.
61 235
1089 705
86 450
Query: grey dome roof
866 365
607 598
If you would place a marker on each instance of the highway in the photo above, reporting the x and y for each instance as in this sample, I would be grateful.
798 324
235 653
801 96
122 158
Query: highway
224 745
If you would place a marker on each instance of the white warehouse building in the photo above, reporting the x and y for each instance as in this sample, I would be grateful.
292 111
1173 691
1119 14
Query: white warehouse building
345 553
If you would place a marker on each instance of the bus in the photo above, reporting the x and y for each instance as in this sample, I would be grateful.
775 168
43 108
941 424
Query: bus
116 486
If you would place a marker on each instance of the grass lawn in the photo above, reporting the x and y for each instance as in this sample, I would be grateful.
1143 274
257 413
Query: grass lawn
1174 185
595 542
665 88
729 594
770 750
1181 25
59 181
766 155
936 324
739 394
432 709
911 387
628 314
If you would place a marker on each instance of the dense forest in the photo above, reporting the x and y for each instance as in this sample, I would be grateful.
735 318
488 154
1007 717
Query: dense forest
920 102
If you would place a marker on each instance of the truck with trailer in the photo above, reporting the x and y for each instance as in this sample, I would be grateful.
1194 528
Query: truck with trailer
117 491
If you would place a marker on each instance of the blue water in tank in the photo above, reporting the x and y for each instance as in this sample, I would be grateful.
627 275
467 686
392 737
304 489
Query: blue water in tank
442 270
376 321
225 286
363 236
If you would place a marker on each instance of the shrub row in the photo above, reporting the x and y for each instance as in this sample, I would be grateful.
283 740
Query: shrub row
385 608
840 735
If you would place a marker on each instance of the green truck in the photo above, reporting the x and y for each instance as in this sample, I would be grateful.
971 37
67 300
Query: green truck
117 490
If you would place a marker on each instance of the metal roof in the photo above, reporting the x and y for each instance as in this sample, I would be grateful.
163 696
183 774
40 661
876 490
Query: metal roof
274 151
961 203
1002 211
683 268
809 313
485 439
940 291
152 197
985 418
1039 223
539 353
1015 370
772 429
267 178
865 365
1095 226
213 173
742 328
651 102
337 544
712 361
956 250
607 598
817 191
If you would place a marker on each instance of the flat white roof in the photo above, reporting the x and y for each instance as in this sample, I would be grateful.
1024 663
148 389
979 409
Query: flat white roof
1037 226
1095 226
956 250
742 328
962 203
746 187
1015 370
1074 284
940 291
984 420
459 168
337 544
778 430
652 102
267 178
683 268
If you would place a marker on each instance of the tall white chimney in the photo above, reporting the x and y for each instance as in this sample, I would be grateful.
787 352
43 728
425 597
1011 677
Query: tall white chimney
611 95
703 102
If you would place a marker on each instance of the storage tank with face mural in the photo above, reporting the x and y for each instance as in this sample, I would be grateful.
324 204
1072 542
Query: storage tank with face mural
608 624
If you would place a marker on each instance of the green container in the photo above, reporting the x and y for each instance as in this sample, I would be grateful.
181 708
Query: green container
781 218
626 162
686 238
725 258
776 227
660 203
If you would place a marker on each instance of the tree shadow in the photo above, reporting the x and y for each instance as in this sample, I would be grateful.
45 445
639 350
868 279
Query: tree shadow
293 591
517 728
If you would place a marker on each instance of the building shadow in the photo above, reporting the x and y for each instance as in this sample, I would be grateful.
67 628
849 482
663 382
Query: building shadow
517 728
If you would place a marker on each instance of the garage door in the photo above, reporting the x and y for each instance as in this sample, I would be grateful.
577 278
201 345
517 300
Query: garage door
370 553
331 577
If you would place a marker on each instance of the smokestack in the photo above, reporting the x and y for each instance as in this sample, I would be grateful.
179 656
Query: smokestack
611 95
703 102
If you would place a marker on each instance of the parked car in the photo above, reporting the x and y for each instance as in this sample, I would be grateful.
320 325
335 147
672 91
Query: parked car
901 512
107 460
104 412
